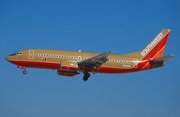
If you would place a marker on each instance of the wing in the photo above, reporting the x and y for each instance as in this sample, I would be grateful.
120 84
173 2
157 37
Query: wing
95 61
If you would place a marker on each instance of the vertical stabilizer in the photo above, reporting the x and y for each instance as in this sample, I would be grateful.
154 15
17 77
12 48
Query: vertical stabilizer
156 46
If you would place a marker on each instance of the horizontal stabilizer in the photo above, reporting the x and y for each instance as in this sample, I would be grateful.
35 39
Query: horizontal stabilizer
165 58
159 62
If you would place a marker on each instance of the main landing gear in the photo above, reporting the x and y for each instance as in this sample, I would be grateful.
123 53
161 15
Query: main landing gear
86 76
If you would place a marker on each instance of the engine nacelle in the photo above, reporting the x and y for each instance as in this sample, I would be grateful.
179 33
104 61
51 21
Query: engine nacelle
66 73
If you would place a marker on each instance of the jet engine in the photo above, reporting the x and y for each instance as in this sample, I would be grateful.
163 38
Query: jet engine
68 65
66 73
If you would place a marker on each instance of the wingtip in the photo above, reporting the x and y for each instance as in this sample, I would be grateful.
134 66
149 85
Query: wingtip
110 52
172 55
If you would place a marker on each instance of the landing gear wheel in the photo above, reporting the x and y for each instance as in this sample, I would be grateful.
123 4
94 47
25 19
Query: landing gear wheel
24 72
86 76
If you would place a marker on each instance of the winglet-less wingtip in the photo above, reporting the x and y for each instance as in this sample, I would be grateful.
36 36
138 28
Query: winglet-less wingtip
110 52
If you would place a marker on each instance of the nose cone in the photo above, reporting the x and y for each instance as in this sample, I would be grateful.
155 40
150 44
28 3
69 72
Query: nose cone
13 57
7 58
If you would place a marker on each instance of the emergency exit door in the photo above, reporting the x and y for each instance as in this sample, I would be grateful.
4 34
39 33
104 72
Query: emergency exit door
31 54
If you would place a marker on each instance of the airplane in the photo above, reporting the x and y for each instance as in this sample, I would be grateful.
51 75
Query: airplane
71 63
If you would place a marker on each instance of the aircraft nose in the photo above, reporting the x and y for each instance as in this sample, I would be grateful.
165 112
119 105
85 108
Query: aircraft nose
7 58
12 57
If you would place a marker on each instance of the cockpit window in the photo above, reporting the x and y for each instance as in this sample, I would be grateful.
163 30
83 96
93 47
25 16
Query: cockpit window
18 53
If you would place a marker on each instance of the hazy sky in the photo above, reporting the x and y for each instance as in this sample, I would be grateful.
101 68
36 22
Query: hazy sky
92 26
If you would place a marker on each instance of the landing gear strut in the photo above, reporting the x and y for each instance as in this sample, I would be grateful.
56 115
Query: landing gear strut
24 71
86 76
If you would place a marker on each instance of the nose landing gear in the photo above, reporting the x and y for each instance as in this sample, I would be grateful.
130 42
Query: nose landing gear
22 67
24 71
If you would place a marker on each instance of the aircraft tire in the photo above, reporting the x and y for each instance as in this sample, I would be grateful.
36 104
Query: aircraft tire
24 72
86 76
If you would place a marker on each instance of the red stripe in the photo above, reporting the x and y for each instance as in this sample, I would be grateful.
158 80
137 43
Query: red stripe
56 66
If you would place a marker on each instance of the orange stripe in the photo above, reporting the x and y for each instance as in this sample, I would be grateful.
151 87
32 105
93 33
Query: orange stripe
158 55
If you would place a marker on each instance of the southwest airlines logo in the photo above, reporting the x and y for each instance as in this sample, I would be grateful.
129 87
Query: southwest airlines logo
153 43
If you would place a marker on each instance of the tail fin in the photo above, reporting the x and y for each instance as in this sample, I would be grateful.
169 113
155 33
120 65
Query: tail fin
156 47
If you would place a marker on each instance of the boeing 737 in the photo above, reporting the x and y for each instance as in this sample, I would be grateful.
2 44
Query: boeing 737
71 63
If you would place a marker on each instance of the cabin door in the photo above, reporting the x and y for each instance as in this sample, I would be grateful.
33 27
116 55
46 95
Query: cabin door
135 62
31 54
